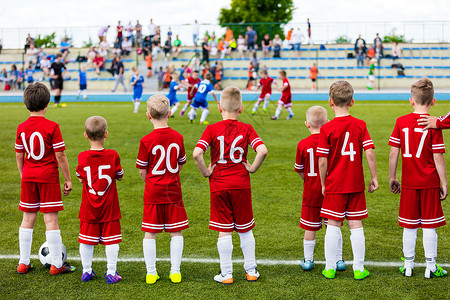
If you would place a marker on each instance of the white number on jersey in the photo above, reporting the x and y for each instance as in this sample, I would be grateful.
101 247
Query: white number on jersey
165 156
351 152
100 176
311 162
233 150
30 150
202 88
422 141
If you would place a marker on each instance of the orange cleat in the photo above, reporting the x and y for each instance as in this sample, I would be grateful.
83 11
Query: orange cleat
23 268
65 268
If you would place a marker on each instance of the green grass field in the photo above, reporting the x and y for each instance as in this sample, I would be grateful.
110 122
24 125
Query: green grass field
276 192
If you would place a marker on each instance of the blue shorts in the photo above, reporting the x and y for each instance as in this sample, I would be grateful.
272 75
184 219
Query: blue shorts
297 46
199 103
83 87
137 94
173 101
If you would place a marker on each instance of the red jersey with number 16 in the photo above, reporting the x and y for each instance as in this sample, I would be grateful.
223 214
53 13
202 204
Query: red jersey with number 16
229 140
342 141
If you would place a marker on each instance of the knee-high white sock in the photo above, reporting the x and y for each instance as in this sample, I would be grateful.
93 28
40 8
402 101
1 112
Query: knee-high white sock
359 248
266 103
25 240
55 246
308 249
176 251
112 252
192 114
78 93
255 107
409 246
370 84
430 240
149 246
185 107
331 245
339 249
278 111
136 105
248 249
173 110
289 109
86 254
225 248
205 113
84 93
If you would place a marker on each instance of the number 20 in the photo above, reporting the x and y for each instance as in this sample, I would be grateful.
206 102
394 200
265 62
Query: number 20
160 148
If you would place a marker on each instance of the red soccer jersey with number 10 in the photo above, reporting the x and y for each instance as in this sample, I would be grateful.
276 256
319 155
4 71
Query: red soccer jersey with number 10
417 148
342 141
229 140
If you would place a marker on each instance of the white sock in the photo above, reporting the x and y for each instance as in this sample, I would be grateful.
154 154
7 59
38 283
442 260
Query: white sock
359 248
290 111
255 107
205 113
25 240
86 254
84 93
266 103
308 249
430 240
248 249
78 93
112 252
331 245
339 249
136 105
173 110
225 248
278 111
55 246
176 251
185 107
409 246
192 114
149 246
370 84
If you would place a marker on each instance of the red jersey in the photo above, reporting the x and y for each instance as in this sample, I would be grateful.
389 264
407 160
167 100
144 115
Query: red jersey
266 86
119 33
40 139
192 81
342 141
286 93
160 152
99 170
417 148
307 162
443 122
229 140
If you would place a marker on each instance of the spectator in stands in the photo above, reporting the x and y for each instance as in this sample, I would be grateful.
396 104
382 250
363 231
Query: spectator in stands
213 46
31 56
104 46
1 46
360 54
255 61
205 50
167 78
129 32
146 46
119 74
252 76
377 40
195 32
138 37
102 33
176 47
20 79
126 46
308 24
378 50
40 55
98 63
156 46
241 46
13 76
64 48
360 41
151 30
169 34
4 77
233 44
160 78
45 66
28 41
117 47
277 44
119 29
228 34
90 56
370 55
266 45
396 51
297 39
251 37
167 48
289 38
112 68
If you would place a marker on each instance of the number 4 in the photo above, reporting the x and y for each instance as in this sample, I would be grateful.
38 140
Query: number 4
351 152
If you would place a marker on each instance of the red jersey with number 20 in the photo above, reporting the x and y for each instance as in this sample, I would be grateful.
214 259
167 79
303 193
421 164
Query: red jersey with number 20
99 170
342 141
417 148
229 140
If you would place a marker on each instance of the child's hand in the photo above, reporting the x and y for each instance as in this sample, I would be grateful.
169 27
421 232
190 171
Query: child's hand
373 185
443 192
394 186
323 190
248 167
210 170
427 121
67 187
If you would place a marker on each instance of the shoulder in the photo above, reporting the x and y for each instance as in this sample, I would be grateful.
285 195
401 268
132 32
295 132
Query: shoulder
176 134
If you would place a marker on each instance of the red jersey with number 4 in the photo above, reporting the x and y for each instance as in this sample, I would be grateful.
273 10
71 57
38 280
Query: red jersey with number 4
286 93
99 170
443 122
161 152
229 140
39 138
417 148
192 81
307 162
342 141
266 86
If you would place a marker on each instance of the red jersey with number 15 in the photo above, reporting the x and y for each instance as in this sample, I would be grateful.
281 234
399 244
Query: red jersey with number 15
266 86
342 141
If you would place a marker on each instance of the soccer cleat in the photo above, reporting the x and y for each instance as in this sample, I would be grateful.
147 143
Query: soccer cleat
172 116
253 113
289 117
204 123
340 265
85 277
227 279
55 105
358 275
329 274
175 278
307 265
84 98
135 111
369 88
253 275
62 105
406 271
65 268
111 279
151 279
181 113
191 121
264 109
436 274
274 118
23 268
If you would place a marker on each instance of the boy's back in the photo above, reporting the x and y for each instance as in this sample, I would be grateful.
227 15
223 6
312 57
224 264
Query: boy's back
204 87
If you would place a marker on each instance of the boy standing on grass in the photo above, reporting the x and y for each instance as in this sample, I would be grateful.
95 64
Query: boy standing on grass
341 143
286 98
98 168
82 81
39 150
137 81
229 180
172 96
160 159
307 166
424 179
191 83
266 91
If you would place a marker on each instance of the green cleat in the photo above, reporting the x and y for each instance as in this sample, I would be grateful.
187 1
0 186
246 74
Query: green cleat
438 273
406 271
264 109
253 113
329 274
358 275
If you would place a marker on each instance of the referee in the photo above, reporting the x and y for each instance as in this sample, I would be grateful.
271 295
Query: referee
58 73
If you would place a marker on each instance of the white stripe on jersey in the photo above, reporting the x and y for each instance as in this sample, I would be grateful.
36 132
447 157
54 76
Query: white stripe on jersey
183 159
119 172
256 140
17 146
204 143
299 167
141 163
368 142
394 140
58 145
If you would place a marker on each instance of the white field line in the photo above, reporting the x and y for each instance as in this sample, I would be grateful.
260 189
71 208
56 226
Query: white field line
266 262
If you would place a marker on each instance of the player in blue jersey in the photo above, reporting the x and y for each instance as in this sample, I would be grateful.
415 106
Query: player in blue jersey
82 81
203 88
29 73
174 87
137 81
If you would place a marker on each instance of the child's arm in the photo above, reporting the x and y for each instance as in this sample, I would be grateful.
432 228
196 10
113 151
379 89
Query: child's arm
282 88
200 162
261 153
302 175
143 173
323 165
439 161
19 157
64 165
394 184
371 161
215 97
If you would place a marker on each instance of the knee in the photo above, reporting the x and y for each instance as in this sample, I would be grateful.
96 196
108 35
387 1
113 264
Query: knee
51 221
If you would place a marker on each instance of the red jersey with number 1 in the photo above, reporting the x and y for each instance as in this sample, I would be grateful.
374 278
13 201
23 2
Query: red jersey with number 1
417 148
342 141
266 86
99 170
229 140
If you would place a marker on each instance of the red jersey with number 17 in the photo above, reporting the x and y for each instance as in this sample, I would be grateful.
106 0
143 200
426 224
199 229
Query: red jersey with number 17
342 141
229 140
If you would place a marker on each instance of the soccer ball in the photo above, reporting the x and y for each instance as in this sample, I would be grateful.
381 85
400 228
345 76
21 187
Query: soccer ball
44 255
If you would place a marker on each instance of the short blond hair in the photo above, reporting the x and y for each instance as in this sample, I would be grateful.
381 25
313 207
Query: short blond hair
316 116
422 91
231 99
341 92
96 127
158 106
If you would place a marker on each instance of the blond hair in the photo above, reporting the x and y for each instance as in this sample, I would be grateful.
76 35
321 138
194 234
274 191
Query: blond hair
341 92
231 100
316 116
95 128
422 91
158 106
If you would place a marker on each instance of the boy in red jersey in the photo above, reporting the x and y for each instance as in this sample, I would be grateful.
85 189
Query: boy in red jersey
286 98
190 83
307 166
266 90
160 159
229 180
424 179
98 168
39 150
341 143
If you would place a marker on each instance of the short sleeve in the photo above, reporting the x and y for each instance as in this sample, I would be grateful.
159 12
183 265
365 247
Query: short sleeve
437 141
182 156
119 170
367 141
443 122
18 145
394 140
299 164
211 88
142 159
254 139
323 148
205 140
79 169
260 82
57 141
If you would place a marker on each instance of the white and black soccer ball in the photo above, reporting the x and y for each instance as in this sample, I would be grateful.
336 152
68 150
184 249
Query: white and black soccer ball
44 255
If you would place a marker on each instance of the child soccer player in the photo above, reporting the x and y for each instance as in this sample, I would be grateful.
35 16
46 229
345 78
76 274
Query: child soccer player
82 81
229 181
160 159
203 88
286 98
137 81
191 84
174 103
306 164
39 150
424 179
29 74
266 90
341 143
98 168
313 71
373 62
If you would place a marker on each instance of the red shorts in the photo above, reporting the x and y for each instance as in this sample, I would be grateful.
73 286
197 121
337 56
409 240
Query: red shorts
310 218
170 217
231 210
107 233
263 96
39 196
420 208
351 206
285 101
